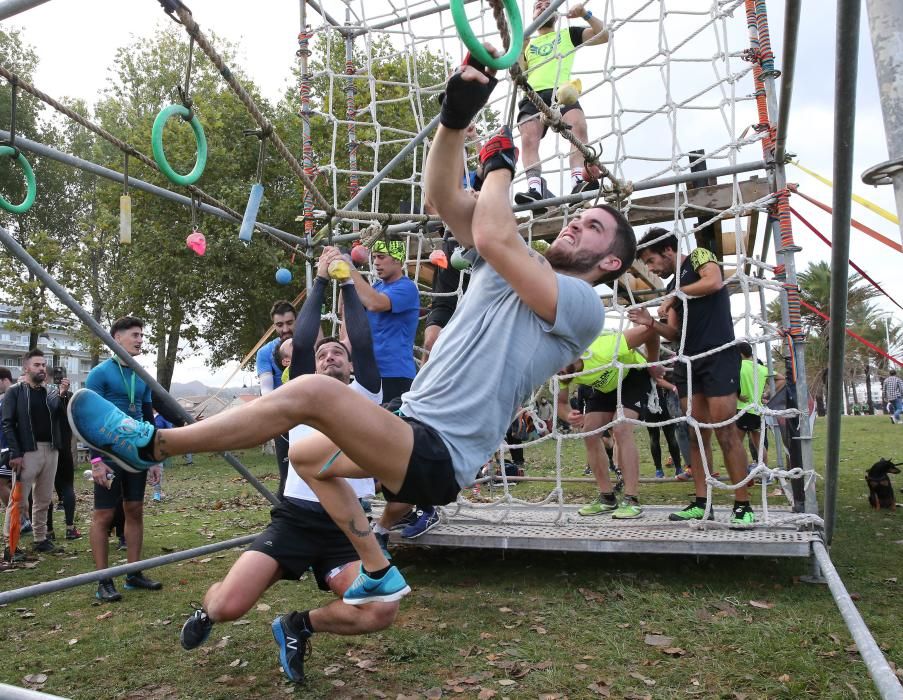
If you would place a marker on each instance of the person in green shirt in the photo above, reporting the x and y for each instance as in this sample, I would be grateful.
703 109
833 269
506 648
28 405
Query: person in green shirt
605 377
548 59
753 381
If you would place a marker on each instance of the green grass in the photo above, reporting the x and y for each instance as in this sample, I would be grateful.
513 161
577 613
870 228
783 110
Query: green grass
521 624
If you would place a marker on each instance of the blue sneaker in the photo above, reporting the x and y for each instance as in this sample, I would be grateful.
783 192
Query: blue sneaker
426 522
412 516
109 431
383 539
365 590
294 647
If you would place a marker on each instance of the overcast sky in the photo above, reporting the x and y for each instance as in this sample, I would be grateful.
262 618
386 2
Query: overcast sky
76 44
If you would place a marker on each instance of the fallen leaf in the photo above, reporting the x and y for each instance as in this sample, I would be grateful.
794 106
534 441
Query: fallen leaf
507 681
73 641
674 651
853 690
486 694
223 679
581 667
205 560
235 663
761 604
241 622
641 677
365 664
539 630
25 616
337 683
434 693
486 635
505 610
262 607
855 596
221 644
591 596
834 638
600 688
892 579
332 669
784 678
550 696
105 616
658 640
35 678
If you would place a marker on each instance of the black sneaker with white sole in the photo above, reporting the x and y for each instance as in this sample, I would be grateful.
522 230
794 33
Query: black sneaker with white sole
533 195
196 628
106 591
139 580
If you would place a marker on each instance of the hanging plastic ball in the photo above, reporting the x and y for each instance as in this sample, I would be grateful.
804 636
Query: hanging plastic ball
283 275
360 254
569 91
437 257
540 246
196 242
339 270
458 261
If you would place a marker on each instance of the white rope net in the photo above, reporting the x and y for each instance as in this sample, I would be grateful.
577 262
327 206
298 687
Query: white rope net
670 89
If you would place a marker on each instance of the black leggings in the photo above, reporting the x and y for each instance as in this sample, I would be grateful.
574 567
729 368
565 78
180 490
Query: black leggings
655 446
64 483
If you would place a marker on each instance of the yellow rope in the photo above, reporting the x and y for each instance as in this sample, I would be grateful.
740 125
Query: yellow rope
880 211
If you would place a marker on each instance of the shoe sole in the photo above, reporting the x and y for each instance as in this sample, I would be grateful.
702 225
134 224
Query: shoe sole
107 600
278 635
387 598
118 460
615 516
592 515
129 587
520 199
198 643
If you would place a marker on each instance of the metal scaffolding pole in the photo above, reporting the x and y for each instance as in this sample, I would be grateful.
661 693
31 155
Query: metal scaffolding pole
8 8
847 53
101 171
45 587
788 65
885 680
886 23
13 692
11 244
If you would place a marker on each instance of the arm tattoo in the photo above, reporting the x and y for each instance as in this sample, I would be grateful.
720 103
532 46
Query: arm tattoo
160 450
539 257
355 531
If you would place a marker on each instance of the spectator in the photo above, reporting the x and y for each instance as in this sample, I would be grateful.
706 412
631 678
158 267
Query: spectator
893 394
549 57
120 385
64 483
544 411
6 472
32 417
656 410
753 381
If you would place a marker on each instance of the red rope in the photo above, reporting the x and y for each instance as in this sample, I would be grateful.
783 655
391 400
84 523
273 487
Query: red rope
862 227
852 264
854 335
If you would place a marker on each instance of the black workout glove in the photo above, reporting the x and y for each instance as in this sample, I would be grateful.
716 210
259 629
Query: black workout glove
499 152
463 99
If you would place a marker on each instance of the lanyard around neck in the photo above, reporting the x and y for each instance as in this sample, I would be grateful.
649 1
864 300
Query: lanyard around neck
128 390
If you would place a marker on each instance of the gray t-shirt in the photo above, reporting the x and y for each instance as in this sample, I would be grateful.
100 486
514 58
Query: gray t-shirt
494 352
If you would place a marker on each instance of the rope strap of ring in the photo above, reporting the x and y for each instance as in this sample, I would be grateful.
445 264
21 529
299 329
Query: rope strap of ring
200 140
475 46
30 182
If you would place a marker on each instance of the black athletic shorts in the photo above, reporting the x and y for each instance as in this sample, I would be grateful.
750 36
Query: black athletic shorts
430 479
394 387
749 422
441 312
713 375
634 392
302 538
527 109
127 486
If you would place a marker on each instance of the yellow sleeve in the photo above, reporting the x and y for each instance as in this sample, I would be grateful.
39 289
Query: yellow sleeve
701 256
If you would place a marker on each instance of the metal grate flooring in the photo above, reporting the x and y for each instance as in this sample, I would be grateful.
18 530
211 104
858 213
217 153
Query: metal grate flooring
546 528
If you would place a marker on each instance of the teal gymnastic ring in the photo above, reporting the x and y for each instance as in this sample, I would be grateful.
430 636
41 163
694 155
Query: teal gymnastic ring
31 186
157 145
475 46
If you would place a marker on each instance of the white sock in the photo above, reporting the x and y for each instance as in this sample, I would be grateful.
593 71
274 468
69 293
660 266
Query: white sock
535 183
576 176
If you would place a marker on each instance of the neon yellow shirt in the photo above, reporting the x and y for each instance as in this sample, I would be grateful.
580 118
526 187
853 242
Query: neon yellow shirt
285 376
599 357
542 69
748 370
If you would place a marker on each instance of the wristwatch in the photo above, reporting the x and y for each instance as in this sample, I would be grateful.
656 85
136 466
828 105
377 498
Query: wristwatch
588 15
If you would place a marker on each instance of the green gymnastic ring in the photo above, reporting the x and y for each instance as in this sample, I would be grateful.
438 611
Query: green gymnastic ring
157 145
476 48
31 186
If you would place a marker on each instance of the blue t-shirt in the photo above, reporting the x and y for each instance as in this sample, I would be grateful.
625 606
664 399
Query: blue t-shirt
114 382
266 365
393 331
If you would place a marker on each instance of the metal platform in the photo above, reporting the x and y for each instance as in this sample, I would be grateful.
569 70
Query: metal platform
549 529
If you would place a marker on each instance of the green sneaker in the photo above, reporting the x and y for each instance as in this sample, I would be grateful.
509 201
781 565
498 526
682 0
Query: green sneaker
599 506
742 516
628 509
691 512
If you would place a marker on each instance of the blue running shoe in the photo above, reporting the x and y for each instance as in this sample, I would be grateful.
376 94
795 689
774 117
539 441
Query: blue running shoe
426 522
294 647
365 590
109 431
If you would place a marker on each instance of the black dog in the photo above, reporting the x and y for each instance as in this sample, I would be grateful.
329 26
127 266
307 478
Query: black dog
881 493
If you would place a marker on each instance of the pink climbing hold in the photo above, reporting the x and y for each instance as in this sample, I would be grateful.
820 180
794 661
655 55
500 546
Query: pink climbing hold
196 242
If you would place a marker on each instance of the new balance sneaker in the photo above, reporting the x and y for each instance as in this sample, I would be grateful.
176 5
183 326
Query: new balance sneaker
599 506
659 473
106 591
426 522
73 533
196 628
294 647
742 516
412 517
628 509
139 580
109 431
44 546
364 589
691 512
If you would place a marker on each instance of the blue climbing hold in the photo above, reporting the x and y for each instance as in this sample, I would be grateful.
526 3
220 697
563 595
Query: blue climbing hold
283 275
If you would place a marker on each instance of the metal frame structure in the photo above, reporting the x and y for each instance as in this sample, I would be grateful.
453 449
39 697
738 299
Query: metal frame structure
803 543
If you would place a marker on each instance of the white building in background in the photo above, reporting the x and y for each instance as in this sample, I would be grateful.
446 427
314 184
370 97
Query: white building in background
58 343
